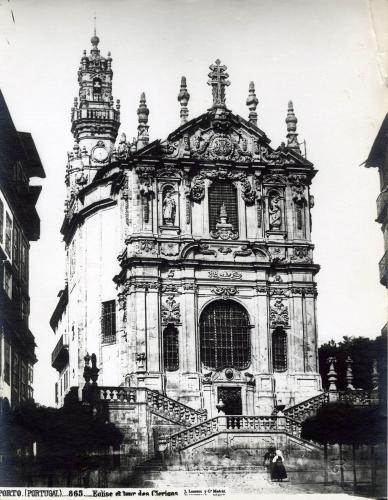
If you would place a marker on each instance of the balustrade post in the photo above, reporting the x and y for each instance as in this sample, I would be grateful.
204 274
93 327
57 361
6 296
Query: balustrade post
281 421
141 395
375 384
332 378
349 374
222 423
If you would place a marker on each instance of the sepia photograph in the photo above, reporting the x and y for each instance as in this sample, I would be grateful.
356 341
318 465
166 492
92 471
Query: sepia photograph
194 248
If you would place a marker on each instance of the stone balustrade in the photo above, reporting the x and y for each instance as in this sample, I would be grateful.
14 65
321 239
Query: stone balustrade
173 410
118 394
307 408
358 397
233 424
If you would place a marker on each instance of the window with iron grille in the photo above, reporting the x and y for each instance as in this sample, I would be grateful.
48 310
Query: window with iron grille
108 321
7 363
16 246
222 192
279 350
170 349
224 335
8 234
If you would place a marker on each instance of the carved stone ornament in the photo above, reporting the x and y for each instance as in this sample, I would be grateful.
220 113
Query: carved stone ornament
279 313
278 292
205 249
224 291
225 250
304 291
229 275
169 288
171 311
198 184
261 289
301 254
146 246
224 234
169 249
278 254
146 176
244 251
297 183
190 287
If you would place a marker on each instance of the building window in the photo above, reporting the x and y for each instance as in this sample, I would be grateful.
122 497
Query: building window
24 381
1 220
170 348
108 321
56 393
16 246
8 234
224 335
24 261
279 350
219 193
15 371
8 282
7 363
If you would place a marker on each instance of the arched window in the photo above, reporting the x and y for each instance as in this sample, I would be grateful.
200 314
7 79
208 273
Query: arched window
224 335
170 348
279 350
222 192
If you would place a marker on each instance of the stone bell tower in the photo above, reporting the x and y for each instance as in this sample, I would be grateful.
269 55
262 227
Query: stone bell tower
94 118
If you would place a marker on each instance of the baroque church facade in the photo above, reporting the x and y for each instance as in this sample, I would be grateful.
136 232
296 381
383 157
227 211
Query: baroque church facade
189 267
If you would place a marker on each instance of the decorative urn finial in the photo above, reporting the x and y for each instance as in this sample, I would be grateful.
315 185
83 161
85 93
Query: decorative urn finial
183 98
292 136
218 81
375 375
349 373
142 128
252 102
332 374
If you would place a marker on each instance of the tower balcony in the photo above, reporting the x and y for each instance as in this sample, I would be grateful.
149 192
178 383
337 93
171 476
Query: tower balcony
383 268
60 354
382 206
96 114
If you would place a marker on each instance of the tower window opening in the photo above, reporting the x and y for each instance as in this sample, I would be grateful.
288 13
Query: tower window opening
225 337
170 348
222 193
279 350
108 321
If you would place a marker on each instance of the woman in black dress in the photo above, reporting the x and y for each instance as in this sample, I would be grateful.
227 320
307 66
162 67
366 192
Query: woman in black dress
278 471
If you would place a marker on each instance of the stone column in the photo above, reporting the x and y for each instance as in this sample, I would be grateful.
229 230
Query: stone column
152 327
310 347
296 343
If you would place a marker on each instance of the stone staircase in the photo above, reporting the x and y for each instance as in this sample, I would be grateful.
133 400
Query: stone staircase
157 403
309 407
239 424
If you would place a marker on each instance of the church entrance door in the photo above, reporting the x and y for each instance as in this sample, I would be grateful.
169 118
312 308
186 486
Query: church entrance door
231 397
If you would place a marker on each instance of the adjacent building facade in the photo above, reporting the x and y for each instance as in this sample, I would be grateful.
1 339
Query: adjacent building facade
19 225
190 264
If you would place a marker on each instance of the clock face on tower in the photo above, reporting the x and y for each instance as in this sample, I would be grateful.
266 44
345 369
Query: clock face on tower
100 154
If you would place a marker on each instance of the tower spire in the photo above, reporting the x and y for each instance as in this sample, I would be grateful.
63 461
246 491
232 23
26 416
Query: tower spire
218 81
95 120
252 102
142 128
292 136
183 98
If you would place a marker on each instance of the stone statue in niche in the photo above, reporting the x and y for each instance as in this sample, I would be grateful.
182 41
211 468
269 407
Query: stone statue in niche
169 208
275 212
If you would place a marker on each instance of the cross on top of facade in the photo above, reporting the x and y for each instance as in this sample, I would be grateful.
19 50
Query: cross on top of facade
218 81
